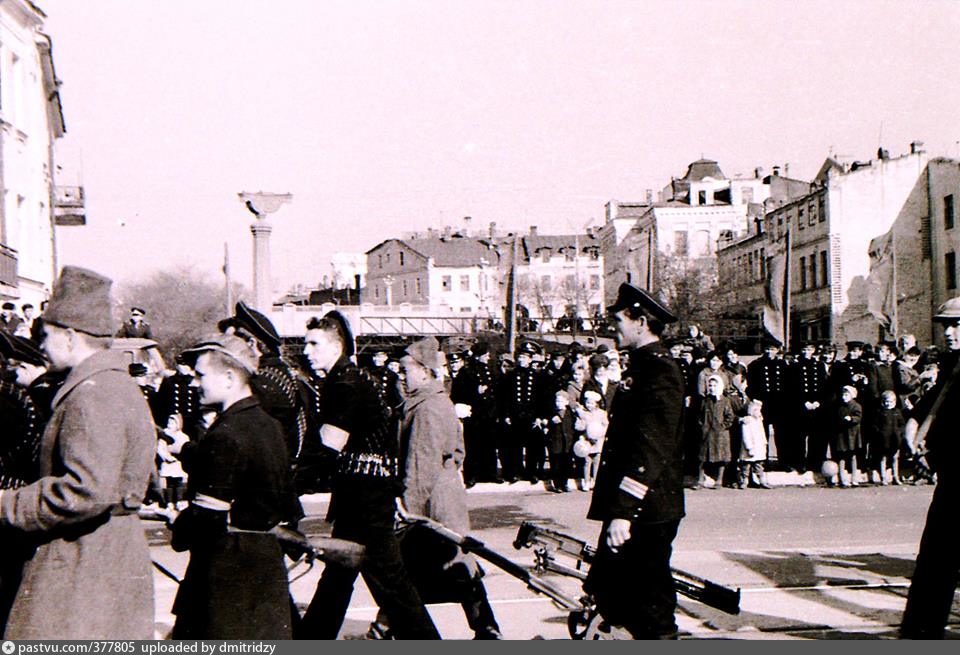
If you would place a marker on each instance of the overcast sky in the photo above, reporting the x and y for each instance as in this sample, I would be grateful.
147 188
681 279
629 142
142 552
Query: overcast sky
384 117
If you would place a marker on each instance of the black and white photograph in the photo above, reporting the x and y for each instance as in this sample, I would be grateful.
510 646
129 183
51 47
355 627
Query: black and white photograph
478 320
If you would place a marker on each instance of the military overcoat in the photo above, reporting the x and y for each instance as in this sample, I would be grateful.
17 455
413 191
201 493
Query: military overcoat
91 576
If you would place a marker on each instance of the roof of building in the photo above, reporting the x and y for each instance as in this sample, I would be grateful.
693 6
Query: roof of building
558 242
704 168
453 251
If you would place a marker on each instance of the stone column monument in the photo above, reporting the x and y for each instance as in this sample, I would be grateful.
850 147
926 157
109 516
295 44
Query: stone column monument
261 205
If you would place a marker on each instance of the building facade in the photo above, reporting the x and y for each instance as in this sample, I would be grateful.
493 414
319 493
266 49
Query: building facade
850 204
31 120
450 274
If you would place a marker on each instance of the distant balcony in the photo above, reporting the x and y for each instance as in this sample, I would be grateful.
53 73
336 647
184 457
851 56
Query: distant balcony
8 266
69 207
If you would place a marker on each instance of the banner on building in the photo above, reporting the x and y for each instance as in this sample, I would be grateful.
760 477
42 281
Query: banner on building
882 282
775 290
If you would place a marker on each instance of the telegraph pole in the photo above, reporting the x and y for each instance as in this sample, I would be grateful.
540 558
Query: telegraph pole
512 298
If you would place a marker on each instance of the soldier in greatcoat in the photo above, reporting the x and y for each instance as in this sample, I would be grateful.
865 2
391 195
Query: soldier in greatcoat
431 452
639 489
90 577
240 487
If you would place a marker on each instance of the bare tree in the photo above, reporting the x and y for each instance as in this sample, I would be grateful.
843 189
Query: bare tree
182 306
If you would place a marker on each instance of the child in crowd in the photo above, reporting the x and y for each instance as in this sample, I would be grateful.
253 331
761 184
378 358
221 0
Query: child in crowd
753 447
717 416
560 438
846 438
887 437
591 424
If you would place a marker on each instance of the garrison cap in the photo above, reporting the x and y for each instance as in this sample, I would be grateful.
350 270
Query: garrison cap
232 346
631 296
21 350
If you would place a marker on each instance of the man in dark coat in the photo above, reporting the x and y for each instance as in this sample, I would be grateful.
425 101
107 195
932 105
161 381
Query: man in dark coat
388 382
136 327
484 415
639 488
767 382
937 571
240 487
521 408
807 394
277 385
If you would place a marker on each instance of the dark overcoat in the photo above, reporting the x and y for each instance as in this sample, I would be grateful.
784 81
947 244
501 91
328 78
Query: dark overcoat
641 467
236 585
91 576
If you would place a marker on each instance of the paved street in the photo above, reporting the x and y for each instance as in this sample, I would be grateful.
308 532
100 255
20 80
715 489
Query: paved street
811 562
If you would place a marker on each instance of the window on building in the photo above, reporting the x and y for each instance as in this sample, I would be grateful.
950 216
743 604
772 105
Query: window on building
419 287
446 282
379 261
387 258
746 194
546 283
950 268
800 222
812 215
813 271
824 276
464 282
681 241
545 256
569 254
570 281
702 243
949 217
749 270
376 292
803 273
702 197
763 264
821 209
401 258
405 289
629 276
594 282
466 310
779 220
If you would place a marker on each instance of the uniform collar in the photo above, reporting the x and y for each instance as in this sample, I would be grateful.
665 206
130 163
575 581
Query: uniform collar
104 360
237 407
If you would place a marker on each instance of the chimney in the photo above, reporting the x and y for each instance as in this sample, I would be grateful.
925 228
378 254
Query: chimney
466 225
447 231
356 283
916 148
758 222
758 172
493 229
533 230
649 196
786 169
776 171
430 233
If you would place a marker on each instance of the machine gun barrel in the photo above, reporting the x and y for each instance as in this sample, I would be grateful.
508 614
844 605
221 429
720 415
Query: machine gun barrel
548 542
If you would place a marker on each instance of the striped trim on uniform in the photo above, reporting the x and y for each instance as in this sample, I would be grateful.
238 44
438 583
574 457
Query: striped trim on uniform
633 487
211 503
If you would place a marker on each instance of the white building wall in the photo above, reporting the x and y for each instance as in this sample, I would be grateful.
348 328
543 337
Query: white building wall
467 293
25 135
558 270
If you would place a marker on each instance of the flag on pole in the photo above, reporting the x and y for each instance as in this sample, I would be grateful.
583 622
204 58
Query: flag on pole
881 282
775 290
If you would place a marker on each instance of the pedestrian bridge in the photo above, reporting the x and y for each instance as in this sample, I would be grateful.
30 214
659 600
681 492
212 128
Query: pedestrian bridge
382 320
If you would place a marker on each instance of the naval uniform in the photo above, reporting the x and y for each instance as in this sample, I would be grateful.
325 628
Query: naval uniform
641 480
767 382
937 571
362 507
520 405
235 586
808 384
484 423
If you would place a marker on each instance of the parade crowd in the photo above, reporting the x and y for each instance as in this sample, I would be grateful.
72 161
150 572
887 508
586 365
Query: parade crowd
226 443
